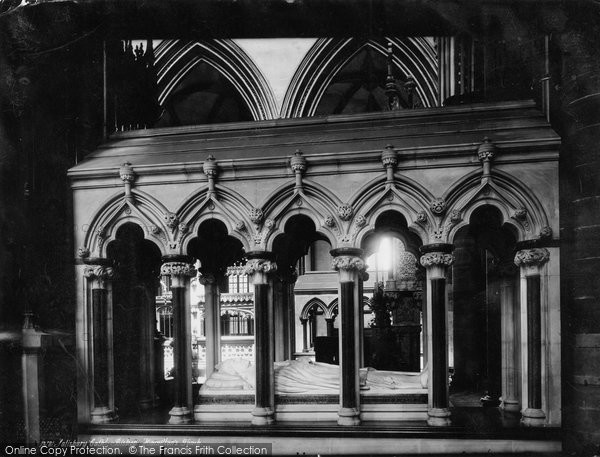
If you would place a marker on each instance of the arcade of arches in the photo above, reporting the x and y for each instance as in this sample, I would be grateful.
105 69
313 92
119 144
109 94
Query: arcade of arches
366 242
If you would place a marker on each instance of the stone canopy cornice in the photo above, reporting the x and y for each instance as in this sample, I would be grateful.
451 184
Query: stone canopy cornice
258 149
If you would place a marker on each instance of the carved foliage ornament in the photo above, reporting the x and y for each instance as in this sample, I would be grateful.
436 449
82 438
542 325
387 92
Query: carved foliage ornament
422 217
240 226
360 221
329 221
520 213
83 252
436 258
98 272
438 206
546 232
256 215
259 266
345 212
177 269
347 262
529 257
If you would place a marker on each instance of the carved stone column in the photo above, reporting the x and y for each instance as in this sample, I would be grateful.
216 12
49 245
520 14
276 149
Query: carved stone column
179 269
510 339
259 268
350 266
99 273
212 325
531 261
436 259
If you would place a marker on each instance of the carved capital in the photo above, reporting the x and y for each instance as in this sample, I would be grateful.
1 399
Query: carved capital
348 263
532 257
486 150
177 269
260 266
433 259
345 212
99 274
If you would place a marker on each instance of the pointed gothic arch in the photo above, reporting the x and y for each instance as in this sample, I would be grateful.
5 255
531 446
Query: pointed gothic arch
412 56
176 58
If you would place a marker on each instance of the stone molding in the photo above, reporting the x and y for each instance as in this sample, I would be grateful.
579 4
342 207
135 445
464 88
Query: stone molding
532 257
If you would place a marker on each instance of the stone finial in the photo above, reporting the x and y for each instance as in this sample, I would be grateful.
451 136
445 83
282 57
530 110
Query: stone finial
298 166
126 173
210 167
298 162
486 151
389 160
128 177
211 171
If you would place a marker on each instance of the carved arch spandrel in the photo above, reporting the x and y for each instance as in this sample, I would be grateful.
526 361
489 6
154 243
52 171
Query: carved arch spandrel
405 196
147 212
519 206
227 206
313 200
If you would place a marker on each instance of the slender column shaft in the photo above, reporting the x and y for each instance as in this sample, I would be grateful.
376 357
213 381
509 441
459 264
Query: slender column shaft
304 335
259 269
534 343
439 356
211 323
98 275
510 360
180 270
436 259
348 262
530 261
147 317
